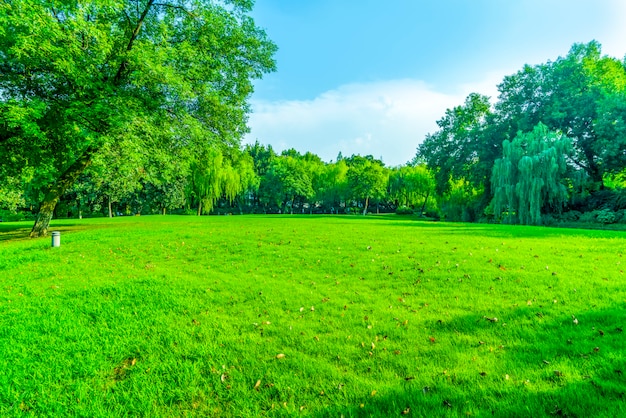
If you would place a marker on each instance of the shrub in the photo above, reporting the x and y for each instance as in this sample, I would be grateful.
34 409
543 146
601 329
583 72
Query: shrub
565 217
588 217
603 216
404 210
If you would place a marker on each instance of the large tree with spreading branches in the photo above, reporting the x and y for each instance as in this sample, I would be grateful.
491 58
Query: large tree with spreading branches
79 77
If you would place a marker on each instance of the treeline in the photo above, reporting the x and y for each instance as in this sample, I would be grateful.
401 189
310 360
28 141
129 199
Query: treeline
551 149
254 179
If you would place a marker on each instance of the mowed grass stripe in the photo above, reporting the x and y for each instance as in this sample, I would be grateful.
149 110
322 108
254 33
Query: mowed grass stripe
311 316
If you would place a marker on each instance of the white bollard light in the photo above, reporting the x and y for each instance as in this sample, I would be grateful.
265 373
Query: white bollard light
56 239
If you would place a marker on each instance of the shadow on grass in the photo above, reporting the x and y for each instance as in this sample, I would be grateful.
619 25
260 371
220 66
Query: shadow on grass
13 231
569 393
19 231
575 400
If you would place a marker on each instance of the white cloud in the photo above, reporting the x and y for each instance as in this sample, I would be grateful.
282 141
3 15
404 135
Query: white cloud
386 119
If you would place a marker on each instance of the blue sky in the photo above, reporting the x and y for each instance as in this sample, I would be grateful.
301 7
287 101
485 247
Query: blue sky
372 76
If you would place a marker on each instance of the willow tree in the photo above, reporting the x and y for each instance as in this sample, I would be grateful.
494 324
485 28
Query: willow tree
79 76
528 181
215 176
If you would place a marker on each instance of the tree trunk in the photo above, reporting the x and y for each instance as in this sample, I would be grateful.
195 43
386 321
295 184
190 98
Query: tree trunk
80 212
367 202
67 179
424 205
110 211
594 170
164 209
200 208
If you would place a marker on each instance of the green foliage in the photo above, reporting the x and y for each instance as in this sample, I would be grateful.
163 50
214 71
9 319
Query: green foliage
602 216
333 190
580 95
79 78
285 181
404 210
367 179
529 180
457 149
411 185
171 316
214 175
461 202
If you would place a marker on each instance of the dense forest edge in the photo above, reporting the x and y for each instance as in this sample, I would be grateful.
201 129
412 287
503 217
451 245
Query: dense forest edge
139 125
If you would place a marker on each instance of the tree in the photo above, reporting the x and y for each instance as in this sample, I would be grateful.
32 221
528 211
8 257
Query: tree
215 175
528 180
285 182
240 179
366 179
459 149
316 169
206 183
580 95
78 76
117 172
332 188
411 185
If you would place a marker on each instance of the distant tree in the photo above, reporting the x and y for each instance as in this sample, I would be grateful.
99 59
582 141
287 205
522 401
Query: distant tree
262 157
460 148
241 181
215 175
285 182
332 188
78 76
411 185
367 179
316 169
117 172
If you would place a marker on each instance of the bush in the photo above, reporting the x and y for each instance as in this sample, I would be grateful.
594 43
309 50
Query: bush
603 216
404 210
565 217
433 214
588 217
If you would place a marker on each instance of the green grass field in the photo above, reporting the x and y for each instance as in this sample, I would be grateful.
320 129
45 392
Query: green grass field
311 316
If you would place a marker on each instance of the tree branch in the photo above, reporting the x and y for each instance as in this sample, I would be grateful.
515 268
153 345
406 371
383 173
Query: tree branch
131 41
173 6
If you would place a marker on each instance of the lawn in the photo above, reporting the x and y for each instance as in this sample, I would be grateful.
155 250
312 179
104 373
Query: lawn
165 316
